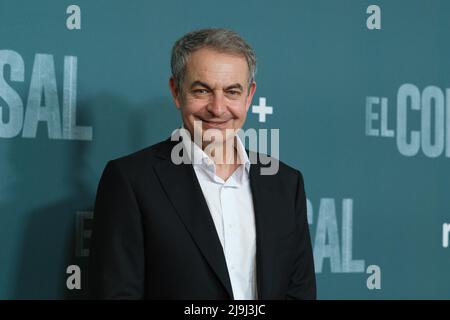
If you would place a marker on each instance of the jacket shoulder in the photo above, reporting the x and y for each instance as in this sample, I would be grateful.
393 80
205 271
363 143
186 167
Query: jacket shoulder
275 172
281 169
134 163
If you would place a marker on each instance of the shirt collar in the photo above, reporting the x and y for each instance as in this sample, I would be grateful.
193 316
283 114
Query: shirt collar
198 157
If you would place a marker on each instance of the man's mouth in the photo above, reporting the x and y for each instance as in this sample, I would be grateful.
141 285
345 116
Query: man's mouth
216 124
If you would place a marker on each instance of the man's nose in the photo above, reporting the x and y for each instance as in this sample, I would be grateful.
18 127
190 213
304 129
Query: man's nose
216 105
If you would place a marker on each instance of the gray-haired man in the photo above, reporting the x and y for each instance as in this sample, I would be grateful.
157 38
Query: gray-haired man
211 227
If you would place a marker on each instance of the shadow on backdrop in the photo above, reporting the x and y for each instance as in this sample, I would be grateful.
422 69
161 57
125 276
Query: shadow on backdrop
55 179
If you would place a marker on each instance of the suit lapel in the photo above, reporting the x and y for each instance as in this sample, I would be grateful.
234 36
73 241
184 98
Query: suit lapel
263 199
184 191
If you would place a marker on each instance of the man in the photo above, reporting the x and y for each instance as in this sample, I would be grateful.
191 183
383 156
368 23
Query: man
211 227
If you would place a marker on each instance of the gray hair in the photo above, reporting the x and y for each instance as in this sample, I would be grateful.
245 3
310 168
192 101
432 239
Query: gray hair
222 40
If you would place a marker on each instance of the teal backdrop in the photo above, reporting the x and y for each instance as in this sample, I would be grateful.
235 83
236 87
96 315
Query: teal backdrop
360 95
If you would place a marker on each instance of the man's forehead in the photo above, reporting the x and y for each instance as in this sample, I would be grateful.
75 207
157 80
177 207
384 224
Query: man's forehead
208 52
229 70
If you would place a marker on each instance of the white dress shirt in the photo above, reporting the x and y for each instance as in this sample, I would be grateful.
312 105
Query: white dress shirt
231 206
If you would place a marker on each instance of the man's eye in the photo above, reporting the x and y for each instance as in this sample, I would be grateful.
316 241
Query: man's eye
234 92
201 91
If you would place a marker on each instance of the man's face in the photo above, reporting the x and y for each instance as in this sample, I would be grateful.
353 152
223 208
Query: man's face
215 91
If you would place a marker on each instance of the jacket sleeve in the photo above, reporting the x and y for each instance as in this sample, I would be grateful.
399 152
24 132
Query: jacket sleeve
116 259
303 280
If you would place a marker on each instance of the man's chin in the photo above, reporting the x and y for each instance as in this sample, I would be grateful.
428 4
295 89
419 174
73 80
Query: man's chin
217 137
214 132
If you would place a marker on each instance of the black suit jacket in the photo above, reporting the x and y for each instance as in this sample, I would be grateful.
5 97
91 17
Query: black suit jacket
154 237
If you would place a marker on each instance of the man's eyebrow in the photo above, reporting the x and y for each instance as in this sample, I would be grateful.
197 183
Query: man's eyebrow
202 84
235 86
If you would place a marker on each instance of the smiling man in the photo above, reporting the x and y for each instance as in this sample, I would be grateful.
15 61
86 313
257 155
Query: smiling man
212 227
215 89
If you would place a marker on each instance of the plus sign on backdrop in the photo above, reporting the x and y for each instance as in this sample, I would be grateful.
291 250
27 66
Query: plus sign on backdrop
262 110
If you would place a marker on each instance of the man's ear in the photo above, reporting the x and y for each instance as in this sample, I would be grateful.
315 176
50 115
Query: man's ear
251 92
175 92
